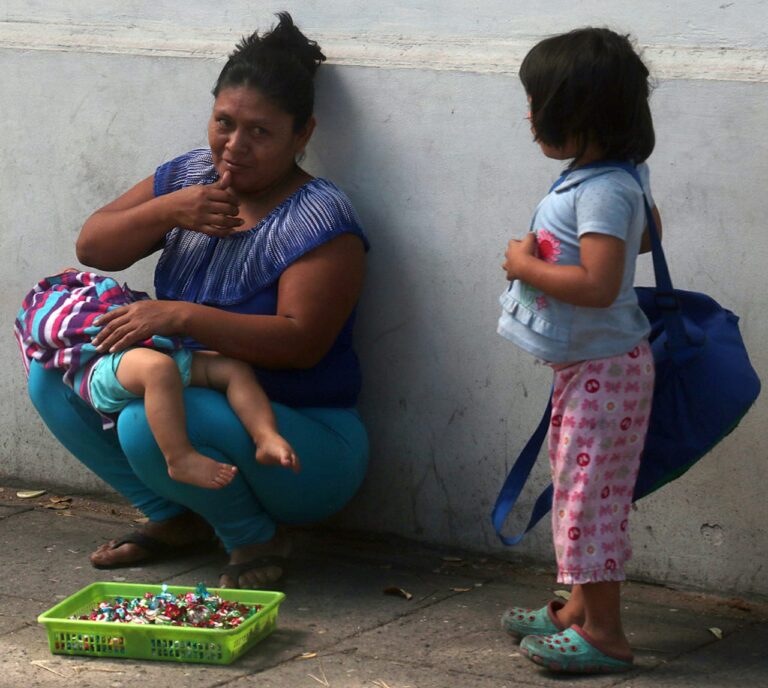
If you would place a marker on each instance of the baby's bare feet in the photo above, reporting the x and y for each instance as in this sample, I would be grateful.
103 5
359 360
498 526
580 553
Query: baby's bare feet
195 469
273 450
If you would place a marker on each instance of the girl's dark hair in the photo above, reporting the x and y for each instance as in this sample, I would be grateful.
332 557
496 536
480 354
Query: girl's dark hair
590 85
280 64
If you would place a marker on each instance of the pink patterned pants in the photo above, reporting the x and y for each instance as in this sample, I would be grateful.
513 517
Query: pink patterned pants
600 413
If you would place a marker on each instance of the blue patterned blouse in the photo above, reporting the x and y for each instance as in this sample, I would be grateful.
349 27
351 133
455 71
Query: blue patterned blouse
240 273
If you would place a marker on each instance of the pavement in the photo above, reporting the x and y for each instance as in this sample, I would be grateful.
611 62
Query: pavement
361 611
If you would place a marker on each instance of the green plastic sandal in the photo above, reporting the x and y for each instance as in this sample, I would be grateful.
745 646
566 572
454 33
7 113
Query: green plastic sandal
520 622
572 651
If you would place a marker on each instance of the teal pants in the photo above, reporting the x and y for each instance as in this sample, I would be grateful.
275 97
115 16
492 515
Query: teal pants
331 443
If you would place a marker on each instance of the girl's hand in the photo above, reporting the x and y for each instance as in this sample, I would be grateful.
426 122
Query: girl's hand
131 324
210 208
517 252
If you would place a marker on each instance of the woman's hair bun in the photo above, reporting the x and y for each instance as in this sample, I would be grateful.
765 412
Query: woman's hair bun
280 64
286 36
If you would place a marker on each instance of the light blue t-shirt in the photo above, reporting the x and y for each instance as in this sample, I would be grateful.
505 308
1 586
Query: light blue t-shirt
600 200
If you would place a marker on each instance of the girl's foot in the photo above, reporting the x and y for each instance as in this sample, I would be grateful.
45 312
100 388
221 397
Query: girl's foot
256 565
195 469
570 614
520 622
574 651
612 642
185 530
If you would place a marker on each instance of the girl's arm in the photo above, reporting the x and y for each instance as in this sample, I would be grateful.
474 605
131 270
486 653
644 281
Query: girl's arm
134 225
645 243
594 283
316 295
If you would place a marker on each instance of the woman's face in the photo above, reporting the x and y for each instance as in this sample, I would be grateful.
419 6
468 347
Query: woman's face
253 139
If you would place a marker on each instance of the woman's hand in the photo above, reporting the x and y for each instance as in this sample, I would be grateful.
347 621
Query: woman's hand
136 223
210 209
129 325
517 251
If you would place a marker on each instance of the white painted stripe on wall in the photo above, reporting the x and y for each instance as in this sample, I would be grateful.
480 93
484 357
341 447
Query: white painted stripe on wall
491 56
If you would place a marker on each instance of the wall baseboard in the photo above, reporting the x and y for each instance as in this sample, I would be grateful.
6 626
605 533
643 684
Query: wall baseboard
461 54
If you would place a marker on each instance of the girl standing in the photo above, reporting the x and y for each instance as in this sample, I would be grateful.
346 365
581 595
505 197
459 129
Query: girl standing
571 303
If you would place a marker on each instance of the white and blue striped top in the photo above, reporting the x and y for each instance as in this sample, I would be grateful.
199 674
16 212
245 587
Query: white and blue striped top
240 273
221 272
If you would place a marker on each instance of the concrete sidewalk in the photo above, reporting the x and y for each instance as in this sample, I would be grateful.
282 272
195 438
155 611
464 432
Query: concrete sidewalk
338 629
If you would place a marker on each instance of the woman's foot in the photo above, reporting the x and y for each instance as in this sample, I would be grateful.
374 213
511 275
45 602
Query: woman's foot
257 565
193 468
184 530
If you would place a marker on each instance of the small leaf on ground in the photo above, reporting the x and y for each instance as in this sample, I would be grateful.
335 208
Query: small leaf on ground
29 494
397 592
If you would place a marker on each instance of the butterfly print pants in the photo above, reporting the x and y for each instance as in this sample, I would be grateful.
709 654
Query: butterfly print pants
600 413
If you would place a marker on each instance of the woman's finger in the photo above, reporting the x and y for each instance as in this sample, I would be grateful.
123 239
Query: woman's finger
121 338
223 221
108 317
214 194
221 207
216 230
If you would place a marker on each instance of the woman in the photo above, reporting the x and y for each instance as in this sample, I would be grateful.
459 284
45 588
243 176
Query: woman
260 262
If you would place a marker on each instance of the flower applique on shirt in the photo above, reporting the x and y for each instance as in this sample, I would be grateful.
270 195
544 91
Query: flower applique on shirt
548 246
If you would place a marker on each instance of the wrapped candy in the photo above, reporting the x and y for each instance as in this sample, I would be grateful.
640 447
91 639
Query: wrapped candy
199 609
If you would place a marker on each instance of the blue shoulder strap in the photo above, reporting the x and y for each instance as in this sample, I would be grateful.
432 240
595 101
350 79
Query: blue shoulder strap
677 341
515 481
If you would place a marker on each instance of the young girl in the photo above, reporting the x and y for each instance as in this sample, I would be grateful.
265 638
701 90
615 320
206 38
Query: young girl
58 325
571 304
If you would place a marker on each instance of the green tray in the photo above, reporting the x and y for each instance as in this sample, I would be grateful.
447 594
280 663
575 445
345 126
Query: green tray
166 643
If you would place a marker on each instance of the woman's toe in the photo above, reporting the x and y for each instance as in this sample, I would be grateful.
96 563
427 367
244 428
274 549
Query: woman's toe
258 578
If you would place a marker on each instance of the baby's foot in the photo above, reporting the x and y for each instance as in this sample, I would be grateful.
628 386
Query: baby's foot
273 450
195 469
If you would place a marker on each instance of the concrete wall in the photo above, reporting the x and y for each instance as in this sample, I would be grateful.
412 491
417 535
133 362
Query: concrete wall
421 121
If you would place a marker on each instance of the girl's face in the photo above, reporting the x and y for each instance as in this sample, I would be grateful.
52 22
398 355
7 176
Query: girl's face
253 138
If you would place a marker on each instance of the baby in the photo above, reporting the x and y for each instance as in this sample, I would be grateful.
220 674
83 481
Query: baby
56 325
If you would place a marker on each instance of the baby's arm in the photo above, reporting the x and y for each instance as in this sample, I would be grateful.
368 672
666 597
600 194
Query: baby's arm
248 400
595 282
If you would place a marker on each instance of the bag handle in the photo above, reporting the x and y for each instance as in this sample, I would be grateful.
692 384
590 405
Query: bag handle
677 341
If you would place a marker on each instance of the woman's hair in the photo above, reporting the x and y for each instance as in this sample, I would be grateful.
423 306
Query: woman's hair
280 64
590 85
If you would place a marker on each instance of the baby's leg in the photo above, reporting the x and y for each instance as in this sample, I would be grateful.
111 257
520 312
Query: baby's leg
247 399
155 375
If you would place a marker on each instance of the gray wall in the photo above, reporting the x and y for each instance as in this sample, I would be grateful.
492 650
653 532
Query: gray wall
421 121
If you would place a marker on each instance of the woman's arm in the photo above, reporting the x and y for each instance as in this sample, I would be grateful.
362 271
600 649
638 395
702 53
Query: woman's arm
133 225
594 283
645 243
316 295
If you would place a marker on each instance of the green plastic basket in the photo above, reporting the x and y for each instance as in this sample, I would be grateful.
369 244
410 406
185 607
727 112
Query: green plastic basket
166 643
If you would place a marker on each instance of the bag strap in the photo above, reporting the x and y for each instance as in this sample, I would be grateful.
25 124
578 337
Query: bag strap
677 340
517 478
664 296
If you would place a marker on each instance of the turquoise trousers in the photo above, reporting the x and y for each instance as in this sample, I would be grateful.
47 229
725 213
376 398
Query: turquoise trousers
331 443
